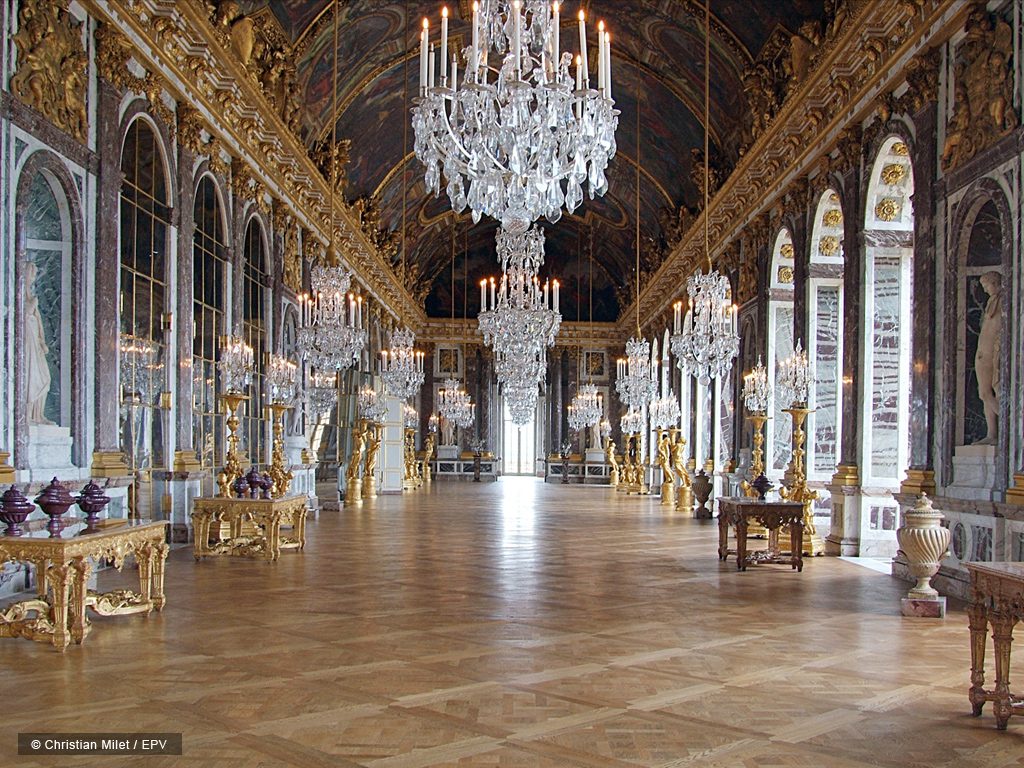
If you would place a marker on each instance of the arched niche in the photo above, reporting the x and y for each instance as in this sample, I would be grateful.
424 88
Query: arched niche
256 324
778 430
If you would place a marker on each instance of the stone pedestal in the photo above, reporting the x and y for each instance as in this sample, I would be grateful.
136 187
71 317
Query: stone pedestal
447 452
843 538
923 609
974 472
49 452
353 491
668 494
594 456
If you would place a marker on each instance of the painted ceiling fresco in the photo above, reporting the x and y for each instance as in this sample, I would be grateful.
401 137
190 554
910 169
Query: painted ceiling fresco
658 53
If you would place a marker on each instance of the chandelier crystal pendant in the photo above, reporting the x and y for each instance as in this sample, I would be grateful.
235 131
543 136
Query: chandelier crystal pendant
519 136
401 366
455 405
636 375
331 334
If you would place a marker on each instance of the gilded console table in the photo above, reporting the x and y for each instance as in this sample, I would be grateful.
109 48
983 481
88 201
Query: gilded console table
63 565
997 598
254 526
739 511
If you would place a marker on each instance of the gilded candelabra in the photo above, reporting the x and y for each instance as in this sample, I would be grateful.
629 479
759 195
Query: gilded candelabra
758 419
233 460
797 489
279 472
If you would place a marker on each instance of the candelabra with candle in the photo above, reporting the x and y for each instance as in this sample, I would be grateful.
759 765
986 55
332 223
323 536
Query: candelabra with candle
282 377
795 378
756 398
236 366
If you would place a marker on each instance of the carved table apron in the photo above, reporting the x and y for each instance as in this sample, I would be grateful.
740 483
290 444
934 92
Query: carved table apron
267 515
997 598
739 511
62 563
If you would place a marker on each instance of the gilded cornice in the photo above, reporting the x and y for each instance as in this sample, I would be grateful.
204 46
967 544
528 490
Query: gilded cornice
570 334
179 44
868 57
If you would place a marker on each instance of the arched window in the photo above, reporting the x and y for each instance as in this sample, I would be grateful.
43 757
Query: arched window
888 253
779 430
209 283
825 338
256 320
145 220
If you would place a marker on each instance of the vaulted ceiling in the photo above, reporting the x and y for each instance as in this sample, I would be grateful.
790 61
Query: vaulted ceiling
658 54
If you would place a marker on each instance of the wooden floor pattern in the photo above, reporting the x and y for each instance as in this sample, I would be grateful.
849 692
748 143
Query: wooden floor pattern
511 625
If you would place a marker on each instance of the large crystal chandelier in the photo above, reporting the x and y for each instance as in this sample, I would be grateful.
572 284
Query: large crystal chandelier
331 333
706 342
401 366
519 317
519 137
586 408
455 404
636 374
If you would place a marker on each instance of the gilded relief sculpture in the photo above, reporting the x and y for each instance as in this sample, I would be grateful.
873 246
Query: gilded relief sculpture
51 65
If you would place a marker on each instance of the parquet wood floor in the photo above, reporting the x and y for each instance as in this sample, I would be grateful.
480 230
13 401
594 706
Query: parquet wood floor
512 625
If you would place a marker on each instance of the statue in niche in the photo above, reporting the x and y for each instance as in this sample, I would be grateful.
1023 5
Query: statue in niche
447 431
594 439
987 358
37 368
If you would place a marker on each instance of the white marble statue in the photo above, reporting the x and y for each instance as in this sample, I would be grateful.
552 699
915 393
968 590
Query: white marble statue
986 360
447 431
37 369
595 436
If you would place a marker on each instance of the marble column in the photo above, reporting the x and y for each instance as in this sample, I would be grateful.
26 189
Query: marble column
108 459
185 456
801 260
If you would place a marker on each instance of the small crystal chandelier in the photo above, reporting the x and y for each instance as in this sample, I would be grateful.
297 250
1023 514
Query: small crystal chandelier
331 333
410 416
522 133
282 377
401 366
236 364
455 405
706 342
632 423
586 409
795 377
323 391
756 389
636 374
138 366
665 412
371 405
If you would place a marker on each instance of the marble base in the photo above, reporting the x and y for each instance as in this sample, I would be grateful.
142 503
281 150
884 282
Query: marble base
49 452
974 472
594 456
924 609
448 452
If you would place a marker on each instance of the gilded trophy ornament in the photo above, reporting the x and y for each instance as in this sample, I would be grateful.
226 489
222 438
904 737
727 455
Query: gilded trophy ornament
279 472
51 74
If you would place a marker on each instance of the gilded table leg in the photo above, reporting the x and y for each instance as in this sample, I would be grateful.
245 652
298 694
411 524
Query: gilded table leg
796 544
59 579
78 591
273 532
741 543
1002 637
144 558
773 541
301 527
723 535
160 550
977 617
200 533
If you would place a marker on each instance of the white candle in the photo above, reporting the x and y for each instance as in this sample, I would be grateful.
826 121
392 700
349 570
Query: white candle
455 73
444 44
493 303
430 68
600 56
424 36
359 312
555 20
608 65
483 295
579 80
474 51
556 295
516 31
546 283
583 47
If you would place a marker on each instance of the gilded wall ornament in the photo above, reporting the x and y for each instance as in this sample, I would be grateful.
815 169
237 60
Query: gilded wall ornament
829 246
190 129
786 250
983 110
832 218
893 173
786 275
292 259
51 65
112 54
888 209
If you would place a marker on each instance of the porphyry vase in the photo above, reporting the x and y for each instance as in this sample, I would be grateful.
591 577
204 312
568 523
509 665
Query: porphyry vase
14 508
92 500
702 492
55 501
924 543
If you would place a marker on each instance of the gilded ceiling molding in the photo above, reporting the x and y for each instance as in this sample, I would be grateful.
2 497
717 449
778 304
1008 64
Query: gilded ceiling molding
52 67
203 63
848 67
570 334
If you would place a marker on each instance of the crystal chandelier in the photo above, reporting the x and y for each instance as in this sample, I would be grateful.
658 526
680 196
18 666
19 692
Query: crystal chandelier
138 365
521 400
520 136
756 389
323 391
371 405
795 377
586 408
235 364
665 412
282 376
606 430
636 374
632 423
706 343
331 333
401 366
410 416
455 404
